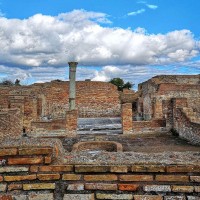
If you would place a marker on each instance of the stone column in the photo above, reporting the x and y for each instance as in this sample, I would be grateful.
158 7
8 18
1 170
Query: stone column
72 113
72 85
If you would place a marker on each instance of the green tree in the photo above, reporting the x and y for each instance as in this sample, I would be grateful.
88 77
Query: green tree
120 84
7 83
17 82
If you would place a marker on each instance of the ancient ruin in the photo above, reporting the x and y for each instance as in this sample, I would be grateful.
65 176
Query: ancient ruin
91 141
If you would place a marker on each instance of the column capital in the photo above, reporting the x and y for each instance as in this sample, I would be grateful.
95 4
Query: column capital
73 64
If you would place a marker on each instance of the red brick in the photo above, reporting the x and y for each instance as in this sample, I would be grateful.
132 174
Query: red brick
1 178
39 186
35 151
172 178
48 159
110 177
34 169
6 197
25 161
56 168
128 187
14 186
8 152
136 178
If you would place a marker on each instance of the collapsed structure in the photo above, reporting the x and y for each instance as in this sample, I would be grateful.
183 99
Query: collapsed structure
38 168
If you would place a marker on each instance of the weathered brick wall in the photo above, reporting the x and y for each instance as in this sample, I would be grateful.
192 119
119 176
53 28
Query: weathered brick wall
164 88
127 118
187 126
149 126
94 99
10 124
28 173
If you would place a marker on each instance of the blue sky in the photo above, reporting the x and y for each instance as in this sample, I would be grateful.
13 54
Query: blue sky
131 39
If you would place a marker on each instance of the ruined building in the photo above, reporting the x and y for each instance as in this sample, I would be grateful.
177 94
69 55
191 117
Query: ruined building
37 165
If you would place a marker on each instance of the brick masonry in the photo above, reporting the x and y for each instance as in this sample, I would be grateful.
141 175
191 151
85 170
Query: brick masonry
42 181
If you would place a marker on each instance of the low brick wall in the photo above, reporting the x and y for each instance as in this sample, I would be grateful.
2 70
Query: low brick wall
27 173
145 126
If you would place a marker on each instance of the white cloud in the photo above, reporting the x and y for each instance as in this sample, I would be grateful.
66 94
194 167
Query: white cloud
151 6
41 46
134 13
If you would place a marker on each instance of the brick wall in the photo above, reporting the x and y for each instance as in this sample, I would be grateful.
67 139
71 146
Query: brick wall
94 99
188 126
28 173
10 124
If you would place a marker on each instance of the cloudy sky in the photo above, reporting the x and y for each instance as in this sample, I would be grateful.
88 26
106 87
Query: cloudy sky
131 39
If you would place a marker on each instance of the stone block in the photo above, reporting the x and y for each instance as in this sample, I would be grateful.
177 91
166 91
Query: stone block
178 168
197 189
20 178
119 169
39 186
78 197
36 196
157 188
47 177
110 177
128 187
184 188
56 168
172 178
25 161
114 196
193 198
148 168
148 197
75 187
195 179
13 169
100 186
92 168
71 177
136 178
3 187
174 198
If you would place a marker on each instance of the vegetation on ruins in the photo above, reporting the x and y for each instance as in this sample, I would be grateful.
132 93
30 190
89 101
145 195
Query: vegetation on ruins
10 83
120 84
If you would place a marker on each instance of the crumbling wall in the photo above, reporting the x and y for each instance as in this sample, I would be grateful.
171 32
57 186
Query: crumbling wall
186 123
164 88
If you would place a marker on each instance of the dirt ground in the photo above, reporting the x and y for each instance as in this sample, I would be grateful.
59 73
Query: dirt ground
152 143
